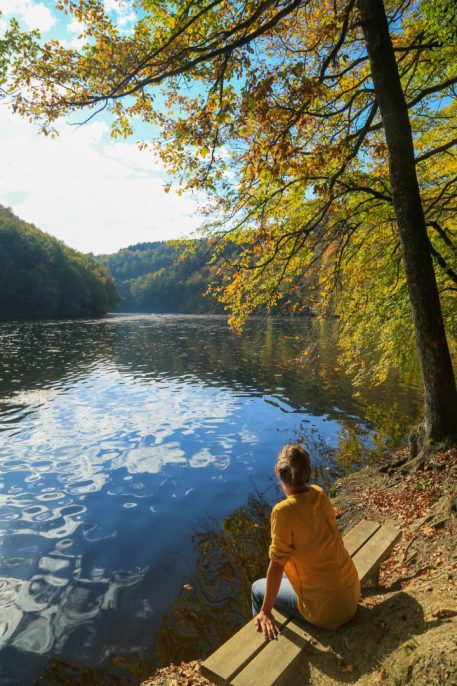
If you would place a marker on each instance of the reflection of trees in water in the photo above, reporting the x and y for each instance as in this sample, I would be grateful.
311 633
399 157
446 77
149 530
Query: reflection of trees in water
204 349
359 442
287 360
294 361
119 670
216 602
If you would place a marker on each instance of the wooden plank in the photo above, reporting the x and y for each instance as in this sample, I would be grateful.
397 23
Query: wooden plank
376 549
359 535
277 661
224 664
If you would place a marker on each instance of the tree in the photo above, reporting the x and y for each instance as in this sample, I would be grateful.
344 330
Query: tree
13 42
295 105
440 394
163 277
41 278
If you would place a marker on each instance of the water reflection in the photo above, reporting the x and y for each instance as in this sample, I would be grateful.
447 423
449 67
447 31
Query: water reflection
212 602
292 365
116 436
215 602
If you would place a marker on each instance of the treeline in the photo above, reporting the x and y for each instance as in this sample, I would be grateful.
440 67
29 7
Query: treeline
41 278
174 278
163 277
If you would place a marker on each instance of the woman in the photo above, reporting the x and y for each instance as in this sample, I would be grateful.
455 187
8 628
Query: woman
311 575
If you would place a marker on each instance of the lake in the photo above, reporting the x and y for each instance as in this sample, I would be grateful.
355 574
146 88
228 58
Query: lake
120 439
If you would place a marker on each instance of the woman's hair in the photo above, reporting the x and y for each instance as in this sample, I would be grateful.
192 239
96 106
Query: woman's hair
294 466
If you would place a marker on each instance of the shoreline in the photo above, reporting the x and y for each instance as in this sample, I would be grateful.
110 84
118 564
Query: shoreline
405 631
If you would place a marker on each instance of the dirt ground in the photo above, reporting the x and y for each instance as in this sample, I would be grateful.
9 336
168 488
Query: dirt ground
405 631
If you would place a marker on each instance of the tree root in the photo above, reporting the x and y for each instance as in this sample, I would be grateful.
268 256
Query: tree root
423 449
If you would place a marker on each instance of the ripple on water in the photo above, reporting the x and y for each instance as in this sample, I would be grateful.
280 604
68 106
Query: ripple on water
32 478
74 509
40 592
11 613
16 561
64 544
95 532
54 564
30 513
88 486
47 516
83 600
37 636
43 465
8 513
55 495
68 529
14 466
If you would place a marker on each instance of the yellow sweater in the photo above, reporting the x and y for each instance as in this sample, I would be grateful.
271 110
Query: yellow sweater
306 541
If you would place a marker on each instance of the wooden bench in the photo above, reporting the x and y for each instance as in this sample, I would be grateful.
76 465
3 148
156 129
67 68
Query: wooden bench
247 659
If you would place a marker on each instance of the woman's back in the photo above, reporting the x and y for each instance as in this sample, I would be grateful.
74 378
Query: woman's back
305 538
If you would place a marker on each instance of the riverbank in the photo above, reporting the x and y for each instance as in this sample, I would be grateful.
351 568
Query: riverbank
406 629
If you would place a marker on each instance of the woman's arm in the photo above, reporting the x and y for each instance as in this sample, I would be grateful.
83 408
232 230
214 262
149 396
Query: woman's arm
265 621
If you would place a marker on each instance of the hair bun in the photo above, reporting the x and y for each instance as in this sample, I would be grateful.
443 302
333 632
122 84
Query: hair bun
294 466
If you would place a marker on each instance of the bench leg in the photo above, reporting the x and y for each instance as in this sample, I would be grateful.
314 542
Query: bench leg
372 581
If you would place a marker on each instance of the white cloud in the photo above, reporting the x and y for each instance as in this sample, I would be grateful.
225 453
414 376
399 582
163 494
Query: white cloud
35 15
94 193
76 30
75 26
125 16
126 20
113 5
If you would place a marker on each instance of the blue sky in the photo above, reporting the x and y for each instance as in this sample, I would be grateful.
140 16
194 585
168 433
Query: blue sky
94 193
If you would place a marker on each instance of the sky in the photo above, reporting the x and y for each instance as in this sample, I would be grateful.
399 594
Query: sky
94 193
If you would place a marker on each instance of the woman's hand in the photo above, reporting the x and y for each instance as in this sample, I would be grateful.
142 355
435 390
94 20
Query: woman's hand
266 622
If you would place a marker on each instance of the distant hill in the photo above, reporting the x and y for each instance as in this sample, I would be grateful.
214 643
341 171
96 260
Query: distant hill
159 277
42 278
174 278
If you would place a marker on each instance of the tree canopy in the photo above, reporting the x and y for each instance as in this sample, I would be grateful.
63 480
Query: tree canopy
41 278
285 113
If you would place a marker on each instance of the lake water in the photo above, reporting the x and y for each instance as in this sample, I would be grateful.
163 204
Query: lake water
118 438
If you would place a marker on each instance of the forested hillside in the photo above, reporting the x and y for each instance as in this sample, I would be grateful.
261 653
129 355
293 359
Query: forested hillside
174 277
163 277
41 278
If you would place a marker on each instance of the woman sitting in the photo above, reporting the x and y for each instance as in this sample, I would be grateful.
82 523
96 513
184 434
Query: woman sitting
311 575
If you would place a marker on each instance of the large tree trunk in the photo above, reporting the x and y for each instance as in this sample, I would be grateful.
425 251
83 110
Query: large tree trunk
440 422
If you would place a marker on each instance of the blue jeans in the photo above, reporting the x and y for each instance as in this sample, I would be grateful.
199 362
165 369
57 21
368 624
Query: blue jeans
286 600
